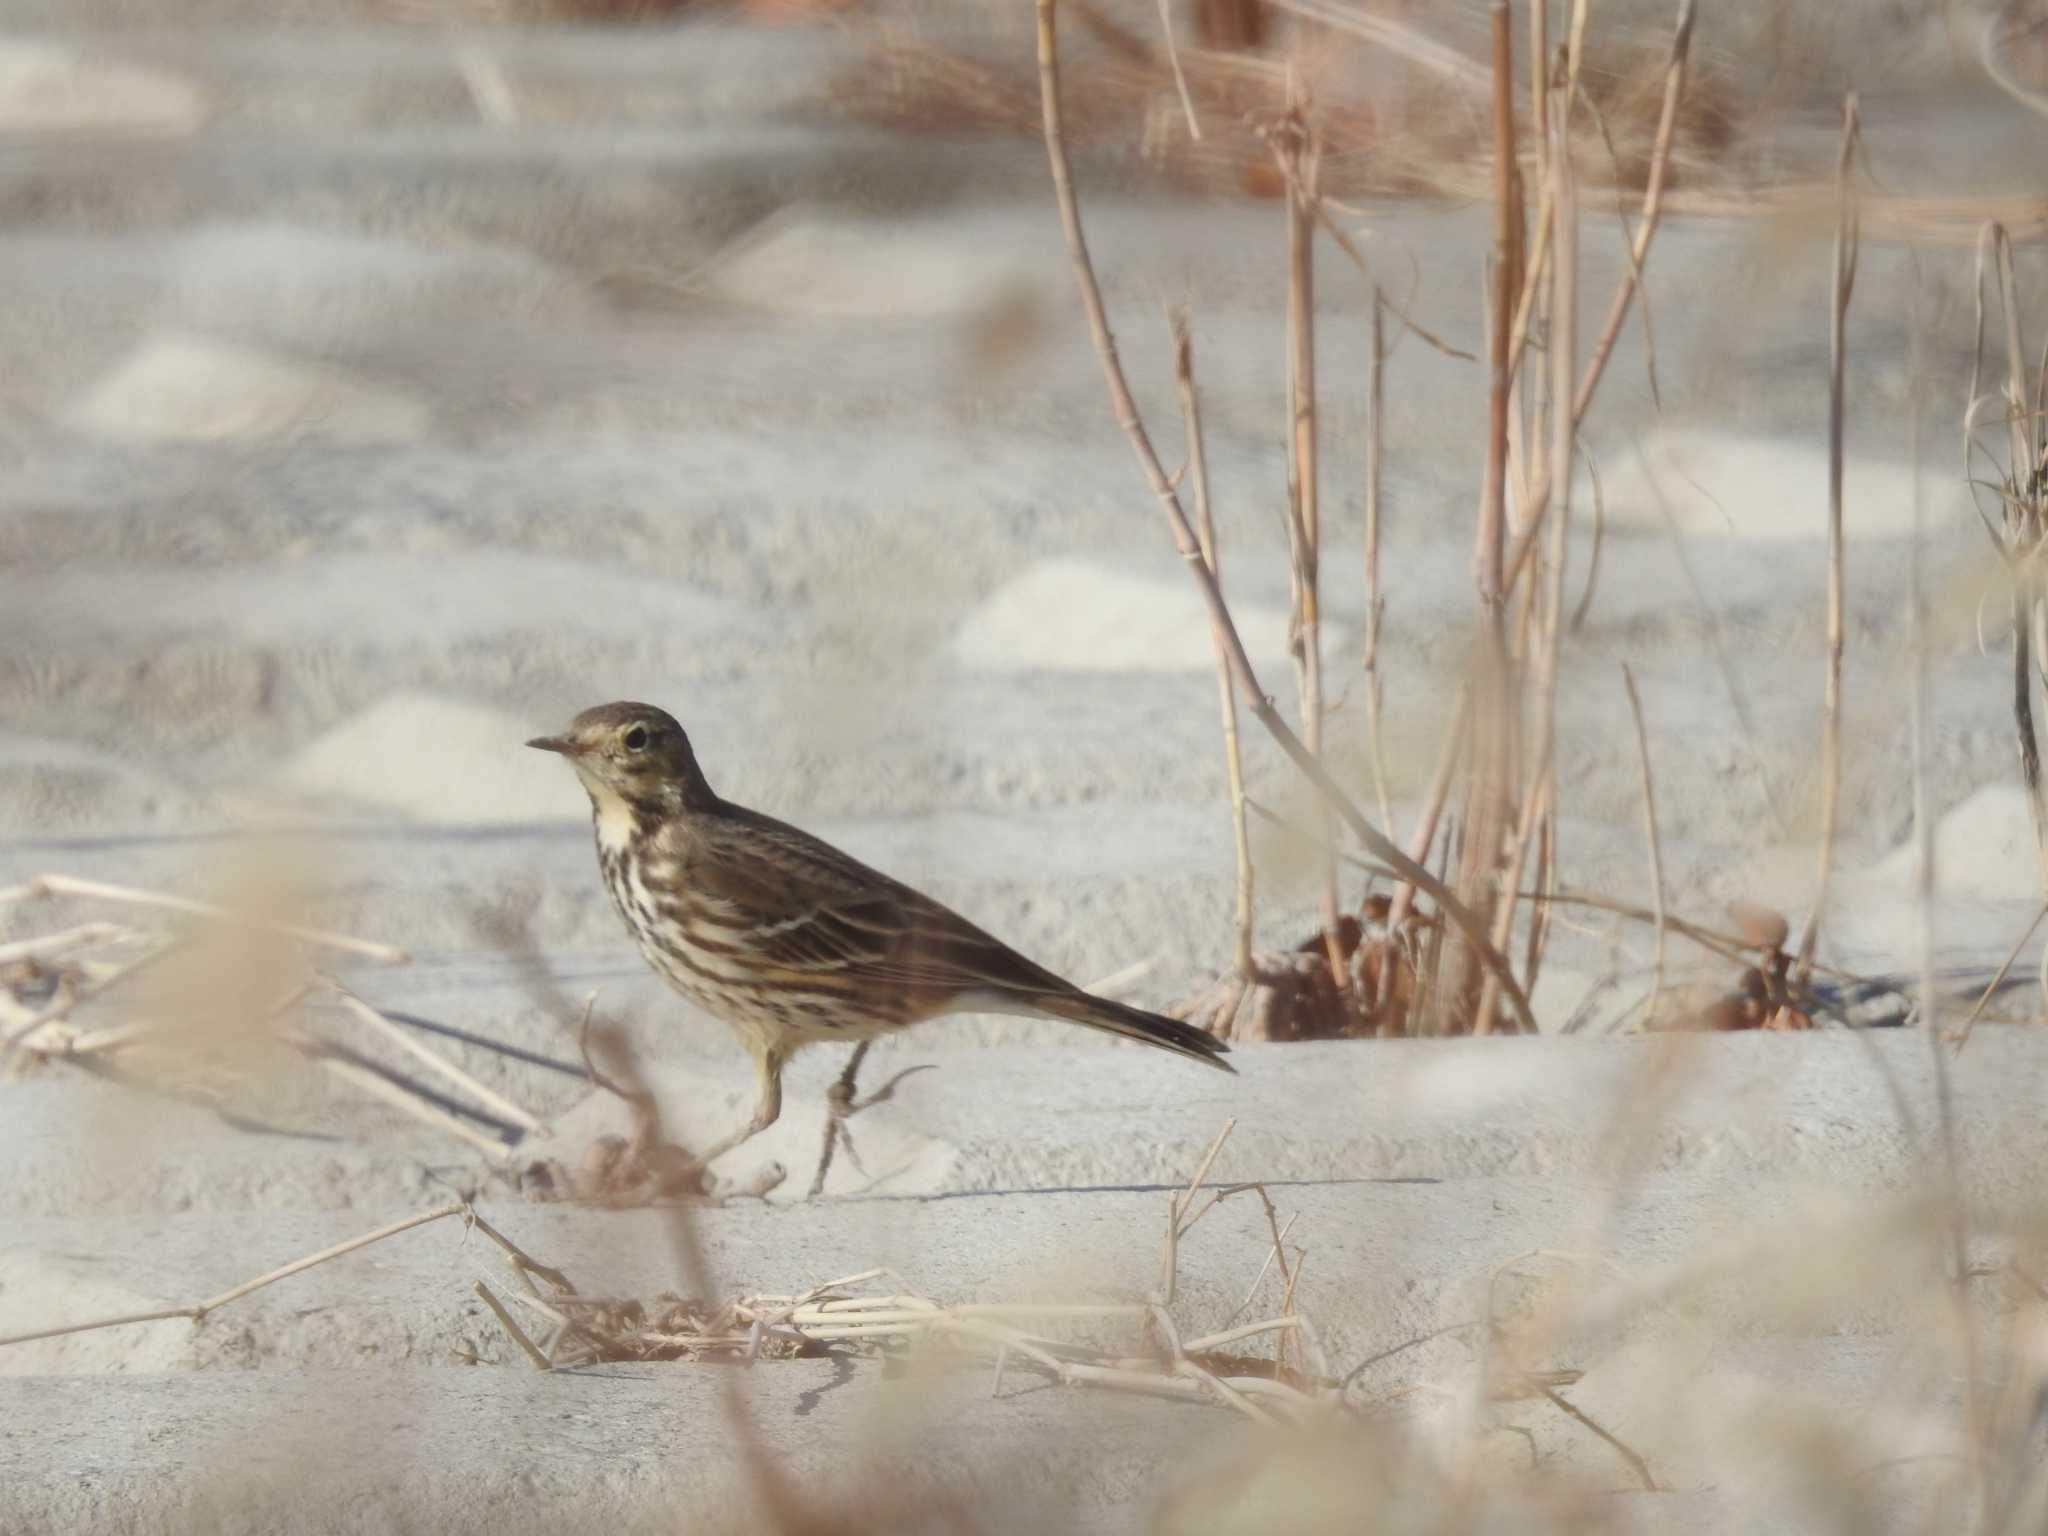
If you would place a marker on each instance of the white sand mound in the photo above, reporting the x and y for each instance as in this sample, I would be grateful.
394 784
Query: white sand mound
195 389
1984 849
435 759
48 88
800 262
1732 485
1067 615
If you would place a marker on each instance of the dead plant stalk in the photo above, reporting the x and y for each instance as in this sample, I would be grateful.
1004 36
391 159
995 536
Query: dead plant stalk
1491 740
1844 285
2017 534
44 886
1132 425
1656 847
1294 145
1226 693
1375 602
1632 276
1589 379
1562 354
197 1311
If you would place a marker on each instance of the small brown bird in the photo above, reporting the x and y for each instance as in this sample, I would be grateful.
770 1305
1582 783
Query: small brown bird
781 935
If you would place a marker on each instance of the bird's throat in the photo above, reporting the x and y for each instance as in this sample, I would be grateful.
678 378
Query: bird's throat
616 821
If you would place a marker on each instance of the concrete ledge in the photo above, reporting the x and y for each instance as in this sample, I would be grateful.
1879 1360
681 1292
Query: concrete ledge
634 1449
1822 1109
624 1449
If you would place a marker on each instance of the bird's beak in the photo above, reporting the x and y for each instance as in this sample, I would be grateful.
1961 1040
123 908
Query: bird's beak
561 744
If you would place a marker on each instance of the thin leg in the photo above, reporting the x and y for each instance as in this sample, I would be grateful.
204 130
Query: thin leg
767 1107
839 1104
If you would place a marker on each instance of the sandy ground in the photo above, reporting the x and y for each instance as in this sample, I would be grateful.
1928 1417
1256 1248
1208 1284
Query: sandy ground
378 397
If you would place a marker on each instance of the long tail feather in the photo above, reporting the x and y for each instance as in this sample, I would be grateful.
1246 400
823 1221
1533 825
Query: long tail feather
1136 1024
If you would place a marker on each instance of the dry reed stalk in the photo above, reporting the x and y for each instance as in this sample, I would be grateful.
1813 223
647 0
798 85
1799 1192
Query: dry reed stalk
1631 279
1843 287
45 886
21 1032
1131 423
1651 839
1226 693
406 1103
1375 601
1299 158
1538 809
1969 1024
1180 79
1739 949
1487 551
46 1034
489 1097
1585 604
511 1326
1437 796
1489 738
1486 799
522 1262
199 1310
1531 452
50 946
1620 1447
2018 534
1177 1207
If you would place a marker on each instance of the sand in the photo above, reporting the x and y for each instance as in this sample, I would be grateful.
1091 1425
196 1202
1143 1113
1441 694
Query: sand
378 397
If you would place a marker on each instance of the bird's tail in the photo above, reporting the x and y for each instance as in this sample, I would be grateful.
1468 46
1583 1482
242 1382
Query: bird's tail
1136 1024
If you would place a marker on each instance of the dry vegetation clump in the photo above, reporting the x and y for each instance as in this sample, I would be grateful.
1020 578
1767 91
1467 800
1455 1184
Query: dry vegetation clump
1452 930
1398 112
215 1005
1259 1367
1379 972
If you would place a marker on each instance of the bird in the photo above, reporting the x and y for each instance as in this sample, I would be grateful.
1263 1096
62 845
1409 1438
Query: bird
783 937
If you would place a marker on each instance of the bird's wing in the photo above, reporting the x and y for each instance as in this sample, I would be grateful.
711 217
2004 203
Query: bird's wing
801 905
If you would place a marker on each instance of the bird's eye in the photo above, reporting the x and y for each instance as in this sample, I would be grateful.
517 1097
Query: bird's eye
636 738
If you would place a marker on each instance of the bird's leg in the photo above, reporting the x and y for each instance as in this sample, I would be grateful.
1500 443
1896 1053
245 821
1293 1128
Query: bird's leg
767 1107
841 1106
838 1105
839 1100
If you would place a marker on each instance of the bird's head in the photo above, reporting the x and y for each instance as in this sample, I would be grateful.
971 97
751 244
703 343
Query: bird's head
630 752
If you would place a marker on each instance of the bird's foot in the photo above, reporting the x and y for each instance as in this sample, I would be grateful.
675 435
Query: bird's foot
841 1106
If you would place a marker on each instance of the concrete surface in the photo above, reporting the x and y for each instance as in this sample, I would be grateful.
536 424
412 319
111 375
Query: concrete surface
376 396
